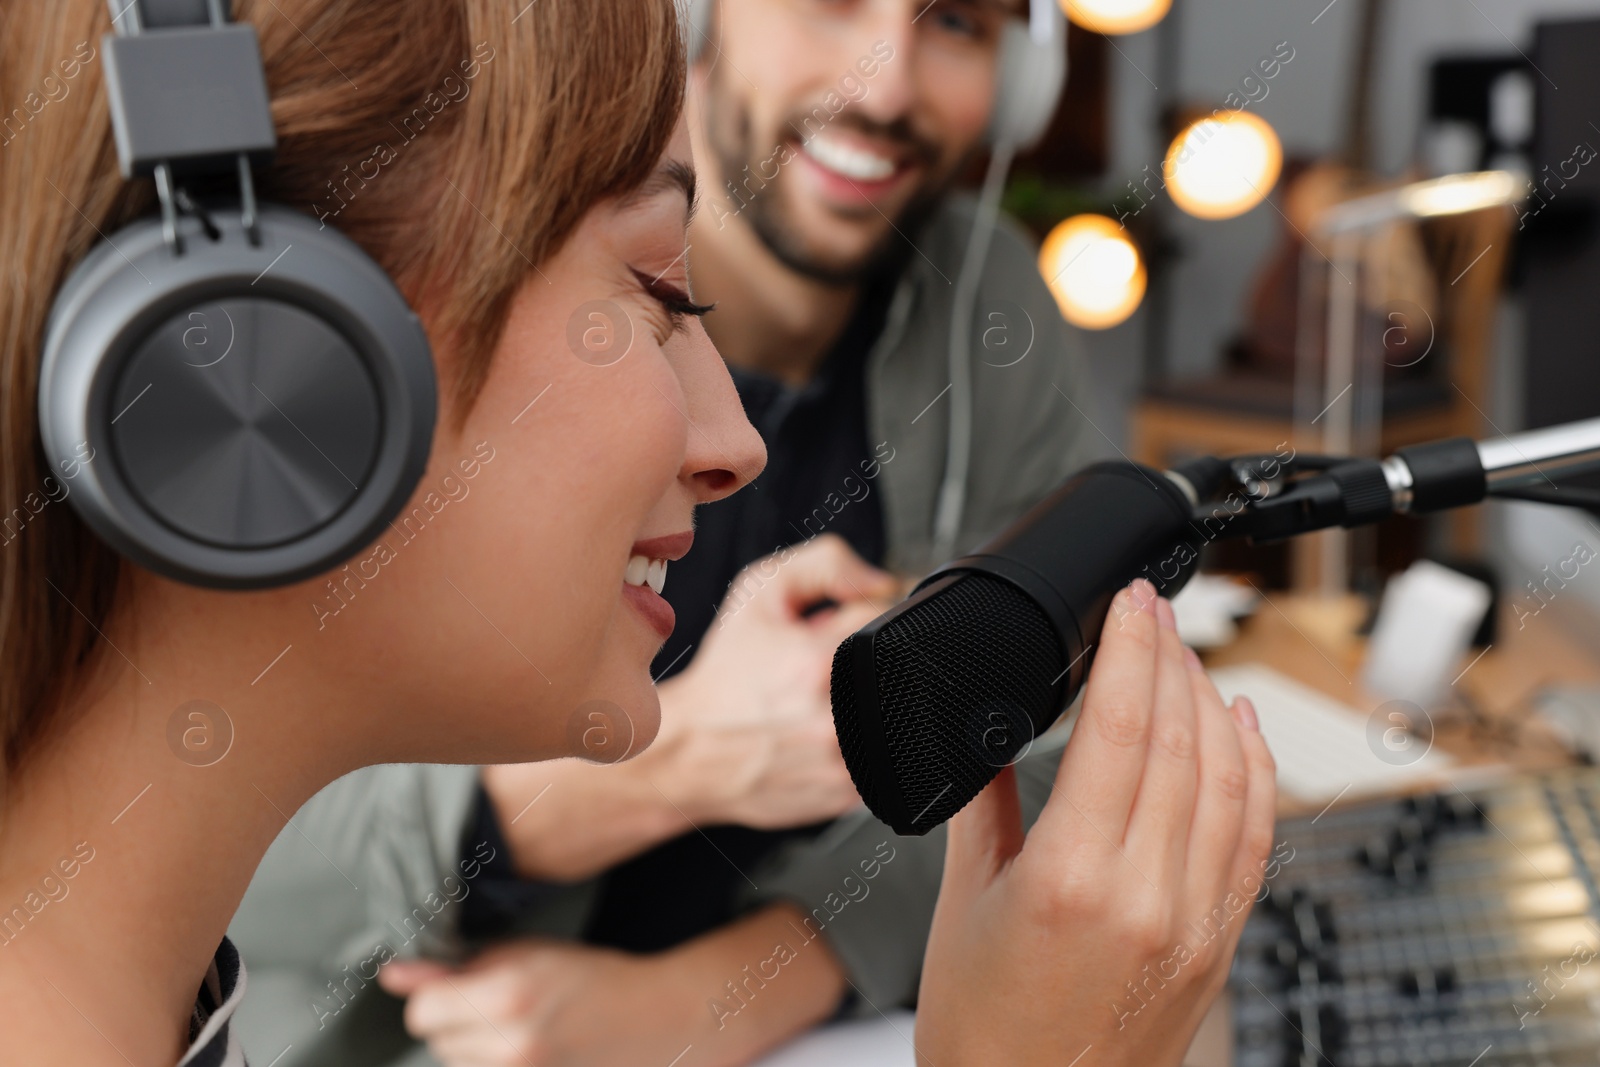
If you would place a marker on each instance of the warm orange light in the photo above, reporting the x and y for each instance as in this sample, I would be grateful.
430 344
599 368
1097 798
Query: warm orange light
1223 165
1094 271
1115 16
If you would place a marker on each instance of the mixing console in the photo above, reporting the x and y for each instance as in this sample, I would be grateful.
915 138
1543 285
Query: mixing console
1449 929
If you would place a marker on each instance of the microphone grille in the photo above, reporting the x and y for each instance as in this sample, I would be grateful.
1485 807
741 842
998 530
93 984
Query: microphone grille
966 675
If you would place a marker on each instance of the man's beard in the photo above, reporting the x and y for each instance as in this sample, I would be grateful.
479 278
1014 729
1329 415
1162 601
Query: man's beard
764 210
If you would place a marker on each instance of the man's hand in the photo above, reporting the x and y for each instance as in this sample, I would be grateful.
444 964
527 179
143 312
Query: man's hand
1136 879
538 1002
556 1004
746 729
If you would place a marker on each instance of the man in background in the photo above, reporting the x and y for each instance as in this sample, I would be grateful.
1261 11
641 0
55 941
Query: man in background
723 890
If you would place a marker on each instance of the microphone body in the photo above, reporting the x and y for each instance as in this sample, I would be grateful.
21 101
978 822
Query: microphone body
931 699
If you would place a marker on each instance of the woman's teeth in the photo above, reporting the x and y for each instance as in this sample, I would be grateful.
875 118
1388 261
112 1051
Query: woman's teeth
853 163
642 570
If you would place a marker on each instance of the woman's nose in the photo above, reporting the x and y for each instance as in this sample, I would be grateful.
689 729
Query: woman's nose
724 451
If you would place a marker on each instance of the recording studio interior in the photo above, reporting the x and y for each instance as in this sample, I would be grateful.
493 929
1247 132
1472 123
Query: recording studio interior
800 533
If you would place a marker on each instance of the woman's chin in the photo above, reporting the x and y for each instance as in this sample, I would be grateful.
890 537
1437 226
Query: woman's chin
648 724
602 730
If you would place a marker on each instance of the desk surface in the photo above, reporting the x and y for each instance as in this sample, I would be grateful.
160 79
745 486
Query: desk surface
1488 723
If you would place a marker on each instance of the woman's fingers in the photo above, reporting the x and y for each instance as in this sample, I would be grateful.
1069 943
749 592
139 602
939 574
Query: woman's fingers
984 836
1224 786
1261 803
1158 828
1105 759
1068 916
1221 912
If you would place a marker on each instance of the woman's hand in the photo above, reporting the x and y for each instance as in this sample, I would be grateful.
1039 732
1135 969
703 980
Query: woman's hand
1108 932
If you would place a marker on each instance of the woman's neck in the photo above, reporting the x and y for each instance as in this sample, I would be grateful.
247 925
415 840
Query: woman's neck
129 839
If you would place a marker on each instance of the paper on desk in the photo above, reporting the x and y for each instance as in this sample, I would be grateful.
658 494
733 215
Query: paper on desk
882 1041
1425 625
1325 748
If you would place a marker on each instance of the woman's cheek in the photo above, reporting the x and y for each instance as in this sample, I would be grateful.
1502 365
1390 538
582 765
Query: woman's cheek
665 435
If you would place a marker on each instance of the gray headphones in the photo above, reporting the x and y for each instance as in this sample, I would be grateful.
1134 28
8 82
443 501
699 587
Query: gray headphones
1032 69
255 398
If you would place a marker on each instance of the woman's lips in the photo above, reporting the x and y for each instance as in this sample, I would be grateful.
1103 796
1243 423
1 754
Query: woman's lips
645 577
656 611
670 547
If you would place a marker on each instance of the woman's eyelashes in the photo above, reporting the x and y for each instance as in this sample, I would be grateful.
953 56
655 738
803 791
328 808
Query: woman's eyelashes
673 300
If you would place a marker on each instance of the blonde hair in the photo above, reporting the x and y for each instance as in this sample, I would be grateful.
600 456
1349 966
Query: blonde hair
458 141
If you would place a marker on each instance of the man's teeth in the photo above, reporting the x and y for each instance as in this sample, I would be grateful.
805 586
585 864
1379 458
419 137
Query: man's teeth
642 570
853 163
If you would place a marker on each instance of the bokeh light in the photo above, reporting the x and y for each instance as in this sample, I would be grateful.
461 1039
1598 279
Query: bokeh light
1223 165
1094 271
1115 16
1457 194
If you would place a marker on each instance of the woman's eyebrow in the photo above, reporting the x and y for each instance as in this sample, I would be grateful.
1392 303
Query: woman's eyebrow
674 174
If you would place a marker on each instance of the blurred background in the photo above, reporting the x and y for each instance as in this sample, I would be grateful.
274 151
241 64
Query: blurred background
1347 227
1444 321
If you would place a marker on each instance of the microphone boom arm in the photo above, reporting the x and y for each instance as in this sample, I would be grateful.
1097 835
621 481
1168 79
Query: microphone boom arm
1416 480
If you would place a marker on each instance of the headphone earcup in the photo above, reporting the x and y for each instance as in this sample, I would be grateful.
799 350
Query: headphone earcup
1030 76
241 415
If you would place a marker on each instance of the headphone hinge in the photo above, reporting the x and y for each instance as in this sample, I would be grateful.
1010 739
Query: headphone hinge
247 200
190 98
188 95
167 194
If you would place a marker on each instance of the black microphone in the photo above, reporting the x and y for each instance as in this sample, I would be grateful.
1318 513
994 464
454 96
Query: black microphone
933 698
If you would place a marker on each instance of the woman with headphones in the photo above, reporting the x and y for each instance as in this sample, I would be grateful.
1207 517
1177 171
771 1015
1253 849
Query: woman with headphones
262 522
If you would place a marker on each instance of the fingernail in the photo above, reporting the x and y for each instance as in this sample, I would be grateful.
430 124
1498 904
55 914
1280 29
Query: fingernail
1164 614
1141 595
1193 658
1245 712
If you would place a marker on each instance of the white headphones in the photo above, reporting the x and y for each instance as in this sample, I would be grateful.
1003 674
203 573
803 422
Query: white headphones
1031 71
